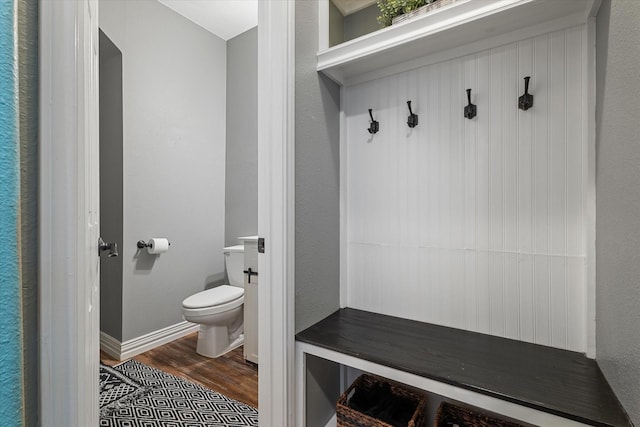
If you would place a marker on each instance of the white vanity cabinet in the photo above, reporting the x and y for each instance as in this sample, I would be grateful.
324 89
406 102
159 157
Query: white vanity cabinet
251 299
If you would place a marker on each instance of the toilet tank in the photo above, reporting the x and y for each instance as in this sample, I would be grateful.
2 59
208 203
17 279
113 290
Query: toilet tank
234 261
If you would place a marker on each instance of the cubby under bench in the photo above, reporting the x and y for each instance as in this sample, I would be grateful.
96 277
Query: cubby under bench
531 383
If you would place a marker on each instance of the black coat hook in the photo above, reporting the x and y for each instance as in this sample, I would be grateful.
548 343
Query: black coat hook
525 101
470 110
412 120
374 127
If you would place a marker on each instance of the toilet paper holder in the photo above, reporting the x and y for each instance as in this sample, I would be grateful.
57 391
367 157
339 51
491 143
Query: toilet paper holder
142 244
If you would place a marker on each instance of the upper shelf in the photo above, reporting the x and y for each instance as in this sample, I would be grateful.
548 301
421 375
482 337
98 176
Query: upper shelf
458 24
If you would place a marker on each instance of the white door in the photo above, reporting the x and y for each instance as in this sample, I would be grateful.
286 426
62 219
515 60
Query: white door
69 204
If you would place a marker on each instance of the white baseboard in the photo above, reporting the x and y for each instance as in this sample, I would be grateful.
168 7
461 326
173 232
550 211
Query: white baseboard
133 347
332 422
110 345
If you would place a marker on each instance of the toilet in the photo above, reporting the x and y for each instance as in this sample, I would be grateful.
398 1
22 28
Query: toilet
219 310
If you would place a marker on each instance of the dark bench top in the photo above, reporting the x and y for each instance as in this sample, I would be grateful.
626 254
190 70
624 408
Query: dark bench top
560 382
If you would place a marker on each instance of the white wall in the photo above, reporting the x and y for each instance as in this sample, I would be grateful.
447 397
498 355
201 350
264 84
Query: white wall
174 87
618 186
477 224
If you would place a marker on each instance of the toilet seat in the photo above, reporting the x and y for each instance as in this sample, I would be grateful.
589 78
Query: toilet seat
214 296
213 301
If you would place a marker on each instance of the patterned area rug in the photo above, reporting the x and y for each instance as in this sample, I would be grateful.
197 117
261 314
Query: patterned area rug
168 401
117 390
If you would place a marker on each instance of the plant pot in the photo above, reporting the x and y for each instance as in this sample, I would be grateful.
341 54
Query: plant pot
421 11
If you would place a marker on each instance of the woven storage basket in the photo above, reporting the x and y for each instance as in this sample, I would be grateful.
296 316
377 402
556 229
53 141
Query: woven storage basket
349 417
450 415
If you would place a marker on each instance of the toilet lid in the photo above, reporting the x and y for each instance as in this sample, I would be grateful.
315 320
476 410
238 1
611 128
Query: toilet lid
214 296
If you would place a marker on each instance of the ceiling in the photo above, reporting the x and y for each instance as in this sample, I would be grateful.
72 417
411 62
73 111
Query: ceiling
351 6
229 18
224 18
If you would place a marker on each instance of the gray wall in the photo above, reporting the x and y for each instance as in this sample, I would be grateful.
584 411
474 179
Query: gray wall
174 107
111 185
26 33
336 25
362 22
241 203
618 200
345 28
317 158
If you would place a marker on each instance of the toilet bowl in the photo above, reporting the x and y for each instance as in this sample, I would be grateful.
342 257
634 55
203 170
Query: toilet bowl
220 311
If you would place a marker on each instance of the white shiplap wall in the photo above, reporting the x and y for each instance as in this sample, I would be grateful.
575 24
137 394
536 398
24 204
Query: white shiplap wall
477 224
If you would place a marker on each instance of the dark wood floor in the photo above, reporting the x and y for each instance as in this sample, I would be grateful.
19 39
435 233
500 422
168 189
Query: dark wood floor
228 374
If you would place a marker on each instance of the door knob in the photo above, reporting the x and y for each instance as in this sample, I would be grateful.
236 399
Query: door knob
111 248
250 273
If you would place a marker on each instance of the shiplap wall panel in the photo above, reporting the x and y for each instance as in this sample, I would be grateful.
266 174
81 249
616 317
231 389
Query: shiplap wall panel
477 224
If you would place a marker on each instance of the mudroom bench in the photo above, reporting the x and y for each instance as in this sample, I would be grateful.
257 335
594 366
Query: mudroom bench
532 383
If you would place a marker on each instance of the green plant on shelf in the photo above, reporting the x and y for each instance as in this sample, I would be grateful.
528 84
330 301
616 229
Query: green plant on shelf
389 9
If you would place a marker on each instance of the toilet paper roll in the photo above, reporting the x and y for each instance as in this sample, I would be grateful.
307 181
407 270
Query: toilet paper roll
158 245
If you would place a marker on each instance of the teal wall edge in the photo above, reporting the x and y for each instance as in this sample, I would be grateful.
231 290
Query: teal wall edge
11 381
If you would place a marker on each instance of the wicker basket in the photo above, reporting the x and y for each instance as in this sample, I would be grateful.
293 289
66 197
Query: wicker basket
349 417
450 415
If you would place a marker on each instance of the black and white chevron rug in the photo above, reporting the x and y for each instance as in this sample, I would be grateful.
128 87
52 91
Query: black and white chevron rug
137 395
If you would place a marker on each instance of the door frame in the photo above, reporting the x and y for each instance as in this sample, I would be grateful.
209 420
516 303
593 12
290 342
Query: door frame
69 218
276 170
68 313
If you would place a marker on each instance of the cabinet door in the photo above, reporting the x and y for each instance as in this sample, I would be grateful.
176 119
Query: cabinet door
251 303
